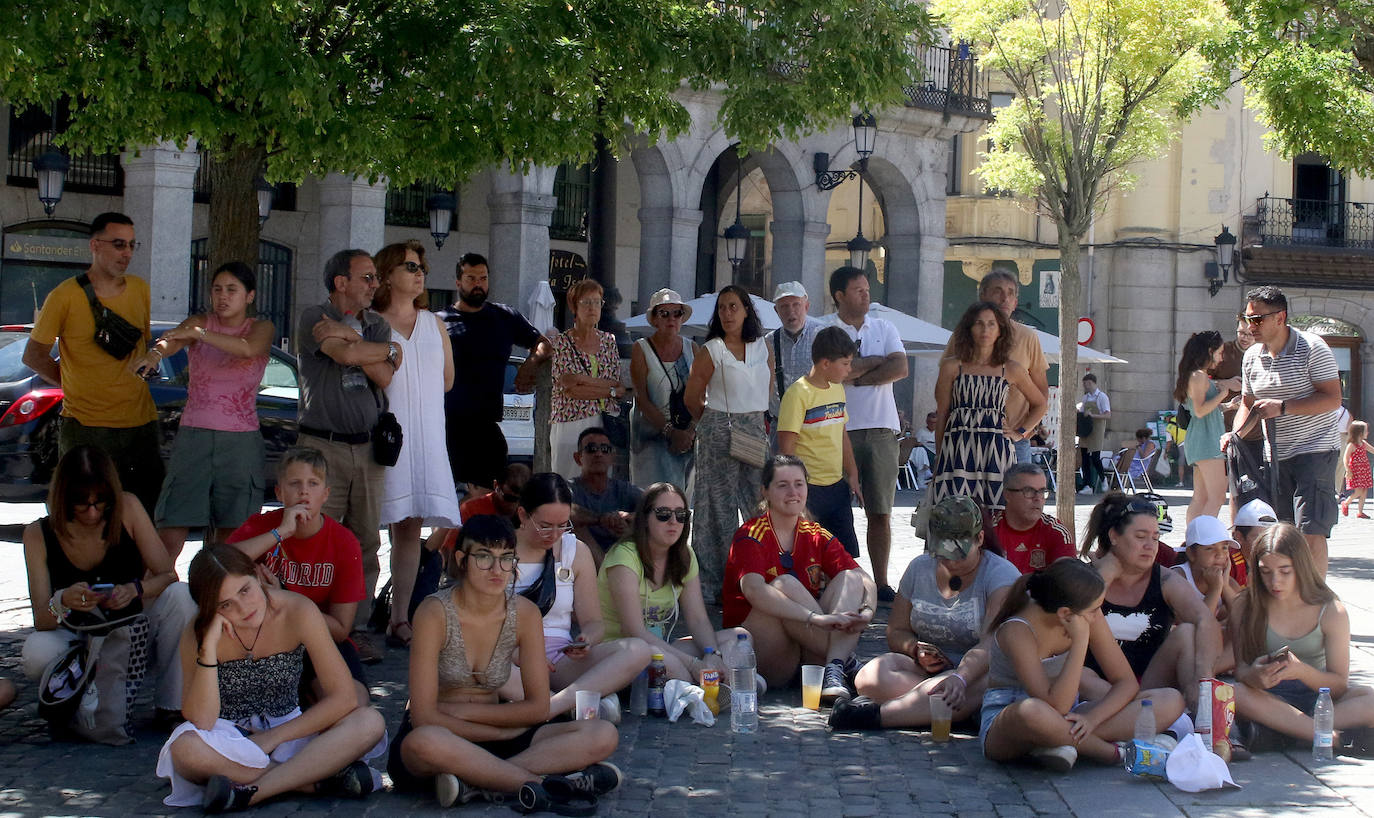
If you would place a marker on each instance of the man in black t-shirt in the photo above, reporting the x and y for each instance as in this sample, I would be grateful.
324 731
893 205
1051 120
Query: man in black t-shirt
482 335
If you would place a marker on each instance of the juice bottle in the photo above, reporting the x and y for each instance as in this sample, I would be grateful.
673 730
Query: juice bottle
710 681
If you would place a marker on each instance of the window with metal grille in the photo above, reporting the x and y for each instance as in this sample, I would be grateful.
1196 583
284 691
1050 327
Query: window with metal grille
407 206
572 187
31 134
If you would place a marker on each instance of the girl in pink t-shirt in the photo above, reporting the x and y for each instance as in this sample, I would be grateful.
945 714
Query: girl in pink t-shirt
215 475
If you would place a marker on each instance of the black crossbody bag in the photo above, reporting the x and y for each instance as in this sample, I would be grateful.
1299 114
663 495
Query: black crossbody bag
113 334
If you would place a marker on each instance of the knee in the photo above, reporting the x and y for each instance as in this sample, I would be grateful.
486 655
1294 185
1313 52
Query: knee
789 585
635 648
39 651
176 607
1167 702
428 743
602 738
365 722
1039 715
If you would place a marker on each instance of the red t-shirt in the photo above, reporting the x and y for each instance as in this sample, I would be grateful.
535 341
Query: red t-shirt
327 568
816 557
1239 571
1036 547
486 504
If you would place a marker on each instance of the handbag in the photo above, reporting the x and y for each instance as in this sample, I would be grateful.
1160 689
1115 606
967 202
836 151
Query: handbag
113 334
1161 464
387 435
90 688
1182 417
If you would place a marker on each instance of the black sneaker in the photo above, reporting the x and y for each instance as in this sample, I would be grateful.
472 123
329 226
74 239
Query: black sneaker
353 781
833 683
556 794
223 795
886 594
598 779
858 713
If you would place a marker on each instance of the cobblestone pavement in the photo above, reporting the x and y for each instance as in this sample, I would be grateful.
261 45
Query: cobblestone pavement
792 767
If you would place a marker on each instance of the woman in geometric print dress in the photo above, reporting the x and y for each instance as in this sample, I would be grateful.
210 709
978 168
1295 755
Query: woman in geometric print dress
973 445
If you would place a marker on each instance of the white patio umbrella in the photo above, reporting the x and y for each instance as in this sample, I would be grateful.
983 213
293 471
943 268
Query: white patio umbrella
1086 355
702 308
917 335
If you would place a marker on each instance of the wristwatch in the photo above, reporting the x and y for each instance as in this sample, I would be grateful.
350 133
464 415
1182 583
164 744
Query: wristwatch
613 390
1283 407
391 350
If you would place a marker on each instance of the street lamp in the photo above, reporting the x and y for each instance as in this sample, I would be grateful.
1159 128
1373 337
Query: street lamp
441 207
265 194
1226 259
737 235
865 136
51 170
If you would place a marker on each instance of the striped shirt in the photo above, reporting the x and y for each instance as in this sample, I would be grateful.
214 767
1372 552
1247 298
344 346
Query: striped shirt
1305 360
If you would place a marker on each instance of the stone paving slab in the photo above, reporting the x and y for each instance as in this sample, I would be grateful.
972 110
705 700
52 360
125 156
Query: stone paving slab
793 767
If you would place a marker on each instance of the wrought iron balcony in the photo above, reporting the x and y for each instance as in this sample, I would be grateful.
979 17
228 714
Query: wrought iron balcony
88 173
950 82
1315 223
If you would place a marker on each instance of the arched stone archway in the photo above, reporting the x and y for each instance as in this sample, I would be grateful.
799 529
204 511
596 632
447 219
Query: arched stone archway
1356 310
902 240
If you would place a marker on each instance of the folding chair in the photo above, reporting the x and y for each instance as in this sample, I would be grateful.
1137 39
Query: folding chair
1045 460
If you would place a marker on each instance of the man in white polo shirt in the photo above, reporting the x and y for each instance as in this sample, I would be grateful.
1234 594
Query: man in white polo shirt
872 410
1290 376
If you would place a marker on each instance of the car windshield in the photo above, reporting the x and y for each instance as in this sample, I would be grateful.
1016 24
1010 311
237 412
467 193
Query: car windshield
12 367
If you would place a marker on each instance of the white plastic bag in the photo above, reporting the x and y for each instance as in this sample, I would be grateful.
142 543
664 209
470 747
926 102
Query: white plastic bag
680 696
1193 768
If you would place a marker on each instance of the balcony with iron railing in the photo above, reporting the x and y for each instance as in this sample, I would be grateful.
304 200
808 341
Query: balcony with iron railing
1309 243
1315 223
950 82
88 172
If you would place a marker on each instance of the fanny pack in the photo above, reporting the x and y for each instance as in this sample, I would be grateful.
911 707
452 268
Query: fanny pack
113 334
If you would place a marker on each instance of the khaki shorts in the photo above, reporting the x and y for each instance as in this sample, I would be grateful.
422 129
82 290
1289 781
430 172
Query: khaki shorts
214 479
876 453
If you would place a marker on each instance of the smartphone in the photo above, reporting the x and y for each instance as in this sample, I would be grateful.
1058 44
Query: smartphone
1279 655
578 645
103 588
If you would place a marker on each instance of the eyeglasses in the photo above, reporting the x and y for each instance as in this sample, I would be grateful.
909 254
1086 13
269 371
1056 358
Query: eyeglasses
1030 492
485 560
591 302
597 448
544 529
121 245
509 496
1256 320
412 267
98 505
663 514
670 313
370 278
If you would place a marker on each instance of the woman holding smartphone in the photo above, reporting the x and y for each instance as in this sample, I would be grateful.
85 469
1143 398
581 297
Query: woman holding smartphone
557 573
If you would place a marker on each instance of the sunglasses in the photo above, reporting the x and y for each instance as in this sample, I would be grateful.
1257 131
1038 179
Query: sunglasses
1256 320
412 267
120 244
597 448
484 560
663 514
670 313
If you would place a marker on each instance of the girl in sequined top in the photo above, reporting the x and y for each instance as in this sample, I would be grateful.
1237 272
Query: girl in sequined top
467 638
245 738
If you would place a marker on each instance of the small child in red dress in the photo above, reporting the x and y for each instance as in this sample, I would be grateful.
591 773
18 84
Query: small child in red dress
1358 477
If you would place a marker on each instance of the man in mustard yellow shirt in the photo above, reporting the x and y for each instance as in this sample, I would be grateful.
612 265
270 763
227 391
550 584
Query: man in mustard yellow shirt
104 402
811 424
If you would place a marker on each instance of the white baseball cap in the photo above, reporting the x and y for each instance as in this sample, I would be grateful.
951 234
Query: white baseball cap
789 289
1256 513
1206 530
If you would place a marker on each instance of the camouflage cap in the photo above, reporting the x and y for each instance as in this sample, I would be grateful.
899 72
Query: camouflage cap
953 528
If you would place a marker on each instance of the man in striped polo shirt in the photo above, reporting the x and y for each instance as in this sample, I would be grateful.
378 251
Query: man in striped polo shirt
1291 376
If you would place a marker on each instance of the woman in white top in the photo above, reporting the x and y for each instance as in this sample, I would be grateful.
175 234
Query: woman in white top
556 573
727 393
661 431
419 489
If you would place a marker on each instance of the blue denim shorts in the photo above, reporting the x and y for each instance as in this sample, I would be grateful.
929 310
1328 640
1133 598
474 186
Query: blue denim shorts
994 702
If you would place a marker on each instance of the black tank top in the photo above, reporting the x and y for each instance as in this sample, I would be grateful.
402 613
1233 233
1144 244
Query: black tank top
122 563
1141 628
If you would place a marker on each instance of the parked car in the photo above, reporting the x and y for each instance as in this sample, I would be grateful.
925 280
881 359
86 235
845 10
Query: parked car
517 416
30 408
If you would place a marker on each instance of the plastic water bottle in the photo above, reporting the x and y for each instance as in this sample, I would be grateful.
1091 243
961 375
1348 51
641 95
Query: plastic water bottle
1145 723
1323 722
744 697
639 694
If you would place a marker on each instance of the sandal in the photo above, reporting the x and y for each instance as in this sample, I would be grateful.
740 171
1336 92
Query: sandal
394 638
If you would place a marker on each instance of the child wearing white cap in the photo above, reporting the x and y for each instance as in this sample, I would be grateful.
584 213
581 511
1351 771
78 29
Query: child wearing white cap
1210 558
1251 520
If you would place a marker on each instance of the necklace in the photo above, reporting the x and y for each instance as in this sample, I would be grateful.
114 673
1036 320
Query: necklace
248 649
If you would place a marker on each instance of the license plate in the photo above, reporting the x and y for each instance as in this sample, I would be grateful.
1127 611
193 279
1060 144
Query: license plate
516 413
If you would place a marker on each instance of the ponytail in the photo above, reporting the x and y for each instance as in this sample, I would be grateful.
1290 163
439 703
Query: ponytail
1066 583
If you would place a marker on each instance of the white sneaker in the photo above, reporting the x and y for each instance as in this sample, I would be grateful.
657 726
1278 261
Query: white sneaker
1086 490
609 709
1056 759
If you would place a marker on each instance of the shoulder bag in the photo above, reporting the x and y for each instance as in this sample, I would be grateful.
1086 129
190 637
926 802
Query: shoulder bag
90 688
387 435
113 334
745 446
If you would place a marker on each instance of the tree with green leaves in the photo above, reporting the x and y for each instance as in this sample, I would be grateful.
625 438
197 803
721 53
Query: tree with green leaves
426 89
1309 75
1099 85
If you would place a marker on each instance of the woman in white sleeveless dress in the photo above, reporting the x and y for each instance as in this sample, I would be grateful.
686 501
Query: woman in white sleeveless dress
419 489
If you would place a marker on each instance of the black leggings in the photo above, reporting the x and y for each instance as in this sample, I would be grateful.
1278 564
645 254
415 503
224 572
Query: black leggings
1092 468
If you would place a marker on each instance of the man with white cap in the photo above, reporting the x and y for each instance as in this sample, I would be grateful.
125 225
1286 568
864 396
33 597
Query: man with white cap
792 342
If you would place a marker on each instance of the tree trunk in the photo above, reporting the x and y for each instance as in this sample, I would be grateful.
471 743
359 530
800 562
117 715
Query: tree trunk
1070 298
234 224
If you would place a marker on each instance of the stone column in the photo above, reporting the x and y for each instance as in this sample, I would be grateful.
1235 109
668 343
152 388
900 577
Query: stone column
158 191
520 209
668 250
799 255
352 216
